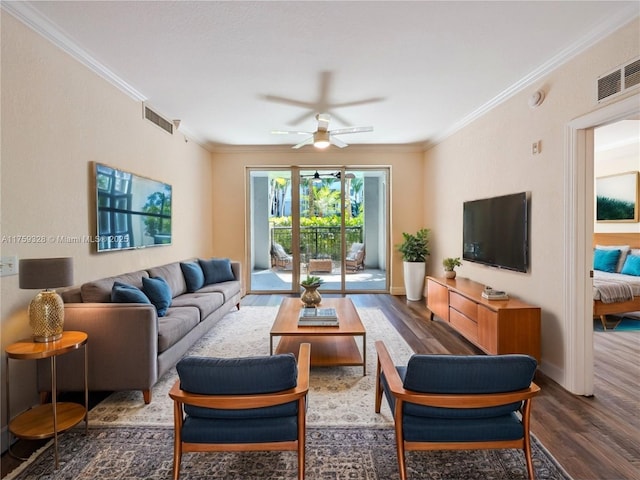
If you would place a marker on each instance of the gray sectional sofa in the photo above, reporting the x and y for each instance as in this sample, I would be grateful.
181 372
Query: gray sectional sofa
131 345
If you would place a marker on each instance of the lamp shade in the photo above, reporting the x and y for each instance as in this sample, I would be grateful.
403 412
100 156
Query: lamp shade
40 273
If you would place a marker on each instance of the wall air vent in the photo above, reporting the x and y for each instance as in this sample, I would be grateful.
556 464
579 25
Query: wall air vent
632 74
154 117
619 80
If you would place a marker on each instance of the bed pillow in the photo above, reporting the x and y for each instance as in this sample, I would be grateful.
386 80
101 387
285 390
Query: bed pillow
605 260
631 265
159 292
624 249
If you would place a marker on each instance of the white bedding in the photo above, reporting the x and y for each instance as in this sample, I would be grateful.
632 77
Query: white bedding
621 287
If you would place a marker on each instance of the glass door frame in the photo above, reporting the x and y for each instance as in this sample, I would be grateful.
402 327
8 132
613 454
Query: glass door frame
297 269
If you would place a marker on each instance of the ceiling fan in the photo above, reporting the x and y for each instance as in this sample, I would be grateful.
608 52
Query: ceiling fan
317 177
323 137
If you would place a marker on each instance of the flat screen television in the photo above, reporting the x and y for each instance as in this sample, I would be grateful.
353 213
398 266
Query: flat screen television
495 231
132 211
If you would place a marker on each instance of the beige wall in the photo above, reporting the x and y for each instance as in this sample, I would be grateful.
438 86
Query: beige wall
57 118
229 169
492 156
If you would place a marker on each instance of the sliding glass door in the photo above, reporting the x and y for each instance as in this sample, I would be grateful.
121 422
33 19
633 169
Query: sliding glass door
326 222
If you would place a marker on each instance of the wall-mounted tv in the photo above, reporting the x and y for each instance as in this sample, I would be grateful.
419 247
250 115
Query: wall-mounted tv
132 211
495 231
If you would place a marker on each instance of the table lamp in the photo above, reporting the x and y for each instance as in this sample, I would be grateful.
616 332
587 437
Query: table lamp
46 310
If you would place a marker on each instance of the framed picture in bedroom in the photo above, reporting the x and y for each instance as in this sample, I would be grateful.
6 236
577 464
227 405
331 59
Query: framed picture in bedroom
617 197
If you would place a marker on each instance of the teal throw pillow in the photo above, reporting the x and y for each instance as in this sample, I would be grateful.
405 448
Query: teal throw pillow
631 265
193 276
216 270
125 293
605 260
159 292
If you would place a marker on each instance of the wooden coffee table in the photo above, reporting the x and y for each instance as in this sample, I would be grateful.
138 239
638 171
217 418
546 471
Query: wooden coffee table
330 346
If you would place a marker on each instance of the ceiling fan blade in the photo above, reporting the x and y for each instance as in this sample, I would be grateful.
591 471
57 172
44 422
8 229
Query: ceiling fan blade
288 132
342 131
338 143
308 141
288 101
301 118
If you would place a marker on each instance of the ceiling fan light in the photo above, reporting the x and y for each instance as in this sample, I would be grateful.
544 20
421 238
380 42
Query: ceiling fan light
321 139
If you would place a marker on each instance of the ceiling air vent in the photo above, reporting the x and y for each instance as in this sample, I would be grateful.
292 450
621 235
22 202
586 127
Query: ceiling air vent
153 117
622 78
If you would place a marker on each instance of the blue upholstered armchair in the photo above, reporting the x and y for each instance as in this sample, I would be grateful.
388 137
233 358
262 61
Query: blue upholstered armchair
456 402
241 404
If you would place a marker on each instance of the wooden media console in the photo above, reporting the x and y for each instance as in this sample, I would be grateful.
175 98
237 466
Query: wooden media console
495 326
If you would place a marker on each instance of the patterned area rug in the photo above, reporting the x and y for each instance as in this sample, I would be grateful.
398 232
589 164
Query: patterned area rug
332 454
338 396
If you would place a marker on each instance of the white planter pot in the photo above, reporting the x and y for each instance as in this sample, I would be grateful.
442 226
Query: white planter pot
414 273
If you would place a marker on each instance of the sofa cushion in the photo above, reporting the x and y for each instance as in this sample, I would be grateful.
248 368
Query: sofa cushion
227 289
99 291
159 292
216 270
206 303
193 275
125 293
172 273
177 322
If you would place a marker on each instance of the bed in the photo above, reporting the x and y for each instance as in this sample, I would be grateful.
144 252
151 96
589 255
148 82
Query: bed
613 292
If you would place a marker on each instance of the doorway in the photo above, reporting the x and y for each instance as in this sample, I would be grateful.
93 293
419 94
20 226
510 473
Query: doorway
579 211
329 222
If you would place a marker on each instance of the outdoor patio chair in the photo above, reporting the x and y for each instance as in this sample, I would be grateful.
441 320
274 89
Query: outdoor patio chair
458 402
354 260
241 404
280 258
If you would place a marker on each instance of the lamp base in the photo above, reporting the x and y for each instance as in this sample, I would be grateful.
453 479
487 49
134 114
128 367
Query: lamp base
46 316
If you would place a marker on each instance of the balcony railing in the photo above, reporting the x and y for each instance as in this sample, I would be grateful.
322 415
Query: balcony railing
318 242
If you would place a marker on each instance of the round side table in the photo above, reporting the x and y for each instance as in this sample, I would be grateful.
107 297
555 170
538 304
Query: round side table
48 419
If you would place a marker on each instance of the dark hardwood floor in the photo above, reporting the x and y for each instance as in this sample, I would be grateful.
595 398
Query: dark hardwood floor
595 438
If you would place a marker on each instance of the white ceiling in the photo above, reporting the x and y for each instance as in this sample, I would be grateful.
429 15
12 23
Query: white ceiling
415 70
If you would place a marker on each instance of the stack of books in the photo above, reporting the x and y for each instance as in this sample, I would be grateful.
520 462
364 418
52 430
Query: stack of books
491 294
318 317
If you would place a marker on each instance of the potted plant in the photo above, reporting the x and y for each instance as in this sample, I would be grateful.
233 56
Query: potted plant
414 250
449 265
311 297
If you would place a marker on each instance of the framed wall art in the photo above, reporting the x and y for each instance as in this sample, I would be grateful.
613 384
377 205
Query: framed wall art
617 197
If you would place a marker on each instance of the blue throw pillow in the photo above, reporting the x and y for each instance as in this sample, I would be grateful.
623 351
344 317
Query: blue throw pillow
631 265
216 270
159 292
605 260
193 276
125 293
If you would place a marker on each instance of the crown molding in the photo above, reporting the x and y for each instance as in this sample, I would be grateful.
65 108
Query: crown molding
28 15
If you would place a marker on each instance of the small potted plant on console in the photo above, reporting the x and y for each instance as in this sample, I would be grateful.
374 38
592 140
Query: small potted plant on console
449 265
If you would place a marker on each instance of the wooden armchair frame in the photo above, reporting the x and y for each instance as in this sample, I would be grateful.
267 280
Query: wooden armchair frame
386 366
237 402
